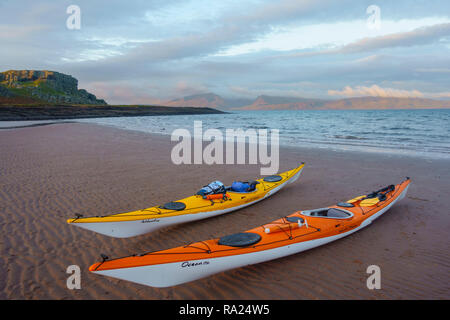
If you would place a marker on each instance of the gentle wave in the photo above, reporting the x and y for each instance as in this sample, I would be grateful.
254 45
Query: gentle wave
414 132
338 136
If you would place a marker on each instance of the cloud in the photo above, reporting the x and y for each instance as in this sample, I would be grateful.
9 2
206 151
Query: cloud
375 91
438 95
20 32
124 93
142 51
293 90
231 28
185 88
419 36
416 37
433 70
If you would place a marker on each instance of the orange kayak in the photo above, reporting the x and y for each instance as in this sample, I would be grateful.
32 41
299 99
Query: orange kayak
295 233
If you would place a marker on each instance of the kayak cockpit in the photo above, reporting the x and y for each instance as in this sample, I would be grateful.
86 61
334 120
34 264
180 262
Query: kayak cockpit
332 213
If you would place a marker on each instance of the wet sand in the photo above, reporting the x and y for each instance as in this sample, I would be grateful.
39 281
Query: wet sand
49 173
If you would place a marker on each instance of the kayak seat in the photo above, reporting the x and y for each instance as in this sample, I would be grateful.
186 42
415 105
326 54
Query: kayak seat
295 219
336 213
242 239
330 213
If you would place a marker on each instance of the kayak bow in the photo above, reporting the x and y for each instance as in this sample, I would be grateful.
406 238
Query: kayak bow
298 232
130 224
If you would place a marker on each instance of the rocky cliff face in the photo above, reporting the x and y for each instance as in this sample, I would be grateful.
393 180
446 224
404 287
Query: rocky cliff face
48 86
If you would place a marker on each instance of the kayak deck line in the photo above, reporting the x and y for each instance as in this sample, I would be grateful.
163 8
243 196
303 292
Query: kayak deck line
196 207
203 250
212 202
286 175
316 231
290 236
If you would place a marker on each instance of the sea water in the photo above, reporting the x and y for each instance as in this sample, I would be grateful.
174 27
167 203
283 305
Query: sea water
409 132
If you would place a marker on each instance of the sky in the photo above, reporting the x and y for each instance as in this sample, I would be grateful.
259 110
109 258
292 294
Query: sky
152 51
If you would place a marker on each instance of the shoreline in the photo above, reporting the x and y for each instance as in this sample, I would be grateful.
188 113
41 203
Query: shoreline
52 172
70 112
33 124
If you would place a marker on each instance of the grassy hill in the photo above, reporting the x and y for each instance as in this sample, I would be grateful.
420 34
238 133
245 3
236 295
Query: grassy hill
42 86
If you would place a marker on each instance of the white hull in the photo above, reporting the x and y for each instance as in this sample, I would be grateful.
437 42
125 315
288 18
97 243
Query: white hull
171 274
126 229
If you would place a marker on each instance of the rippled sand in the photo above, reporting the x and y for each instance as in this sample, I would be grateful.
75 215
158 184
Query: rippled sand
49 173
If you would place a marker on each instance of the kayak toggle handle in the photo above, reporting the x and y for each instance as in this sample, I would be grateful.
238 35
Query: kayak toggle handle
289 226
104 257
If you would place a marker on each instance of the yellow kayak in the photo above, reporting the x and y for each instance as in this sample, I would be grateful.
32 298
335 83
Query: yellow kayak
196 207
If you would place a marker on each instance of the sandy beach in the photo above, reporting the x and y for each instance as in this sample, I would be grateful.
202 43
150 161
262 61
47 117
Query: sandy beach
50 173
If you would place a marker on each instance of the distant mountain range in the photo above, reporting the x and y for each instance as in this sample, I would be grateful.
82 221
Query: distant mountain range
265 102
42 86
210 100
